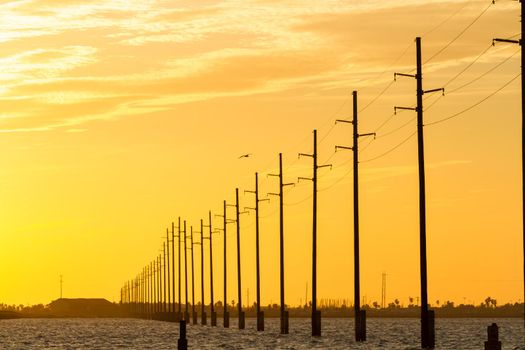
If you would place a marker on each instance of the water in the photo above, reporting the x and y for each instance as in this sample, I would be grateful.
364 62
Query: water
392 334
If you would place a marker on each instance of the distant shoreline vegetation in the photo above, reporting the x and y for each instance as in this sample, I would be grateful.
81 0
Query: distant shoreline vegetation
329 308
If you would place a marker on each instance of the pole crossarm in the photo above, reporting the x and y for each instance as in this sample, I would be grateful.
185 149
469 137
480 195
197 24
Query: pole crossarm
343 147
496 40
344 121
396 108
304 178
306 155
325 166
404 75
434 90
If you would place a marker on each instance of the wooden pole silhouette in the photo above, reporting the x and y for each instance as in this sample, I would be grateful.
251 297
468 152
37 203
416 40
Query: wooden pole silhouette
226 315
212 302
159 284
260 314
239 286
168 281
193 313
284 312
520 42
179 316
359 315
186 312
427 316
164 278
203 312
174 318
316 314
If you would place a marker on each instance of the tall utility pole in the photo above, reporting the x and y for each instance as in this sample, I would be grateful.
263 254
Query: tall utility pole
226 314
159 279
427 316
179 314
168 310
316 314
154 288
239 286
212 305
152 294
164 279
173 317
187 311
193 312
359 315
260 314
284 312
203 312
520 42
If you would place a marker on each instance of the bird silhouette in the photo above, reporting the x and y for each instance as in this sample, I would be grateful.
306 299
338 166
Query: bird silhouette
245 155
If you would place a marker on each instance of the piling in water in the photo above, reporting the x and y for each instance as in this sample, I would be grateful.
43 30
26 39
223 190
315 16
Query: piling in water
182 344
493 342
226 319
214 319
260 321
284 322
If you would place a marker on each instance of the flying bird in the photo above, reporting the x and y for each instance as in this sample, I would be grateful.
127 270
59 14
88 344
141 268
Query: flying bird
245 155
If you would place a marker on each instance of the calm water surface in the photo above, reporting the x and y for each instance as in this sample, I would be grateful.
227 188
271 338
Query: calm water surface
337 334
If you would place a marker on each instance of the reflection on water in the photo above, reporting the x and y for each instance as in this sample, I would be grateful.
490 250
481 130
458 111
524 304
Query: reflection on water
389 334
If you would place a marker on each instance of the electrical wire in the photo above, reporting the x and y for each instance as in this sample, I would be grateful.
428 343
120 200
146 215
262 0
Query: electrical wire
475 104
390 150
448 18
460 34
468 66
484 74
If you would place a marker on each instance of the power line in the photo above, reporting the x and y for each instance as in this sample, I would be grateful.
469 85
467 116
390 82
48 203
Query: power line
475 104
448 18
390 150
484 74
396 129
460 34
468 66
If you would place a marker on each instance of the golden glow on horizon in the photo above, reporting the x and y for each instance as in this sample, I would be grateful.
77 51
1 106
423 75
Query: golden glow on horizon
118 117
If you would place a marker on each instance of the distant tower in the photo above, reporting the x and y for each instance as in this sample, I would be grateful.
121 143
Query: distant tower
383 290
61 283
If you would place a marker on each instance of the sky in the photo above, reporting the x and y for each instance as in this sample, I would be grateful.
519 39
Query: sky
119 117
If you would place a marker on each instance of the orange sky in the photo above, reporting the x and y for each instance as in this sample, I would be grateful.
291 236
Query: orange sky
116 117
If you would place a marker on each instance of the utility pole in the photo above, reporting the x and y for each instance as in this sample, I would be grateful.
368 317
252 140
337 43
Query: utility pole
316 314
239 286
260 314
226 314
173 317
153 290
164 279
359 315
159 279
193 313
520 42
179 314
61 284
203 311
427 316
212 305
168 283
187 311
284 313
